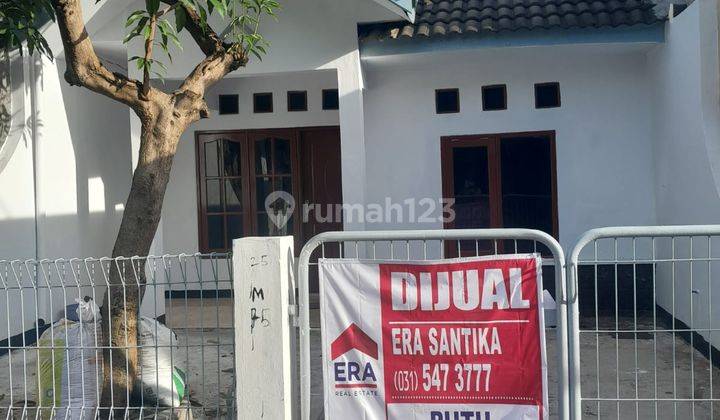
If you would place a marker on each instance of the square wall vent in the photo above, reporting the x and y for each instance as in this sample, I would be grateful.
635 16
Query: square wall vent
228 104
494 97
262 102
297 101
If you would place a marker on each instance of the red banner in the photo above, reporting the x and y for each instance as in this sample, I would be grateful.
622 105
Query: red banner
451 340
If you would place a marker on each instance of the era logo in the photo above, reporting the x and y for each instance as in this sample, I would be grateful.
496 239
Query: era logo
353 374
350 371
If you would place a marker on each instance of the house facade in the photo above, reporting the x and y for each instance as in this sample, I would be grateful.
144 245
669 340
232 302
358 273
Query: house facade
542 114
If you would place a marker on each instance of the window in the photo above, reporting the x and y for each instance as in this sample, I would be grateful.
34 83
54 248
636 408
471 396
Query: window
447 101
297 101
494 98
547 95
228 104
330 99
262 102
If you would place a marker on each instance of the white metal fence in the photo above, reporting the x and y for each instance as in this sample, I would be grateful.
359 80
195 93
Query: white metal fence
52 348
426 245
643 322
636 335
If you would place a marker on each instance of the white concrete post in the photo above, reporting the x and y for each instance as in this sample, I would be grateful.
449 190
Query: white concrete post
352 133
264 336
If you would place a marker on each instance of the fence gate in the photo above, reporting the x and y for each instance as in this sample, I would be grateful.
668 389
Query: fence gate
643 342
427 245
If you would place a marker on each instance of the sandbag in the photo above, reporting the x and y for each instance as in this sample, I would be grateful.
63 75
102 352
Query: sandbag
160 375
70 364
70 371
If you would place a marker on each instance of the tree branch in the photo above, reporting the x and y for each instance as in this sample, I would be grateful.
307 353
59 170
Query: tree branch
148 56
213 68
83 66
221 57
207 39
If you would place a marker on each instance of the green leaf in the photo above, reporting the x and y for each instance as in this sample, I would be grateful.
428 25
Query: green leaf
180 18
137 30
152 6
134 17
219 5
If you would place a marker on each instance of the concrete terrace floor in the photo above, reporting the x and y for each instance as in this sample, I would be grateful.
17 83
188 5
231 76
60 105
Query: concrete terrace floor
206 351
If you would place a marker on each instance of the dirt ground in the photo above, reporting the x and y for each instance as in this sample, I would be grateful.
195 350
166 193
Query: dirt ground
644 363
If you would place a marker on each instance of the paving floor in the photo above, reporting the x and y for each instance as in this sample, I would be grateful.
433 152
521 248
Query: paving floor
624 376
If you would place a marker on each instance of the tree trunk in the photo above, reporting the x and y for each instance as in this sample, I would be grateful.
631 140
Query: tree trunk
120 310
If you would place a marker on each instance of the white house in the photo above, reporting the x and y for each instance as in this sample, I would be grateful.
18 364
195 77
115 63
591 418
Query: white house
561 116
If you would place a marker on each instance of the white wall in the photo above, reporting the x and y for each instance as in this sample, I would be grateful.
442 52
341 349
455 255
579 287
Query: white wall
83 167
603 129
307 35
179 220
17 196
684 73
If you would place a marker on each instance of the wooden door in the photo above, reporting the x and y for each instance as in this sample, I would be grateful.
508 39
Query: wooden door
321 176
500 180
321 187
470 179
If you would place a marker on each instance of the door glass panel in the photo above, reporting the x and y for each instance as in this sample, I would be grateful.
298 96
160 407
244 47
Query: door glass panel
282 157
213 196
263 160
233 195
284 183
215 232
263 225
471 190
266 226
526 178
212 157
231 158
471 187
234 228
263 188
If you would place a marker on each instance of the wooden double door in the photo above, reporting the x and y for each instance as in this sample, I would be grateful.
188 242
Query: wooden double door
238 170
500 181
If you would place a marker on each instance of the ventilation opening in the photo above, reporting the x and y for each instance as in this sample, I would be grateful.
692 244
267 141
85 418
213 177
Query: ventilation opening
228 104
330 99
547 95
494 98
297 101
262 102
447 101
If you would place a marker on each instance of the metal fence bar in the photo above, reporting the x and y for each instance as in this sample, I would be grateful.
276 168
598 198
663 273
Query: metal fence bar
680 250
184 326
371 238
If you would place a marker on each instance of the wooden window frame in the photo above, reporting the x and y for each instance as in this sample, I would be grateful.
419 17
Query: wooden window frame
492 141
559 96
504 92
437 102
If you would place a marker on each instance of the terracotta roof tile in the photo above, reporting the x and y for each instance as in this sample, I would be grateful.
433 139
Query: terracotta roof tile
456 17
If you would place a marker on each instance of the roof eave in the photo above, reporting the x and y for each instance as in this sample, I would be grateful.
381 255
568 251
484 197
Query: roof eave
639 34
403 8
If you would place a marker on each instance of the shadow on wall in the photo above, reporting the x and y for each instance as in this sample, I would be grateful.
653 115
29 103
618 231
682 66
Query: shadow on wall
84 168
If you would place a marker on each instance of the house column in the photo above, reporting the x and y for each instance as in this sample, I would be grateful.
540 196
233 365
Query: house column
352 135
